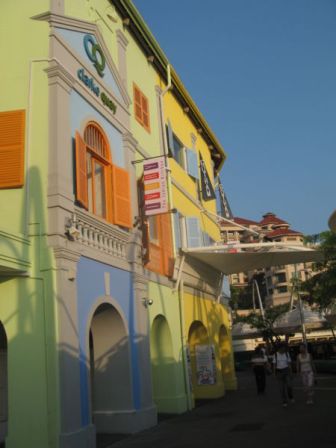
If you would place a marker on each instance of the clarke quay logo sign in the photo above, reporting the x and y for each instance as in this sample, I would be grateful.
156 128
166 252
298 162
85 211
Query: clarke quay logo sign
95 54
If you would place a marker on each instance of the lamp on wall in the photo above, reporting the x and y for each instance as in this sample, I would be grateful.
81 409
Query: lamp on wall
147 302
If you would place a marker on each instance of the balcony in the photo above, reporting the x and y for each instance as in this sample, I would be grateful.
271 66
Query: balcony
98 234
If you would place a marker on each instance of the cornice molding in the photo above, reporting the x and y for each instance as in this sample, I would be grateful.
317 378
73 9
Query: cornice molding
15 237
71 23
56 72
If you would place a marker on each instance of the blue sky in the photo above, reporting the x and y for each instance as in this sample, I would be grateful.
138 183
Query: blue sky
263 73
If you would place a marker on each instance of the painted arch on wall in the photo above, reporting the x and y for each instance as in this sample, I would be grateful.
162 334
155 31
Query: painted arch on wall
163 364
110 366
197 335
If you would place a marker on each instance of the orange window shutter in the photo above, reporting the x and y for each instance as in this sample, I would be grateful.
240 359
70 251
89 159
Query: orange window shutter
145 111
121 193
12 144
145 242
137 103
155 263
81 172
109 197
166 243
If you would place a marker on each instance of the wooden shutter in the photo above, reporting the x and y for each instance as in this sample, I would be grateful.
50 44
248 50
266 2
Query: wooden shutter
194 235
145 112
166 244
137 103
121 193
154 259
109 194
177 231
192 163
12 144
81 172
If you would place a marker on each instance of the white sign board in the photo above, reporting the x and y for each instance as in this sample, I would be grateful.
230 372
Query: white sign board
205 364
155 186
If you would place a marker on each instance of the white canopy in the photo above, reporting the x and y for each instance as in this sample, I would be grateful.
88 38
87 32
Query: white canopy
243 330
291 321
234 258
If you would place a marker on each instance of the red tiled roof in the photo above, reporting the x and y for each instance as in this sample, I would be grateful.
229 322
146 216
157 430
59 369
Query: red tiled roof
271 218
244 221
282 232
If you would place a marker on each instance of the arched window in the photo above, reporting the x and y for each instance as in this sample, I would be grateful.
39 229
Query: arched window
98 161
101 187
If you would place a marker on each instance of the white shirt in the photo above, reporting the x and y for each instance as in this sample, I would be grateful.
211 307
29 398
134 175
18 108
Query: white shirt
305 362
282 360
259 360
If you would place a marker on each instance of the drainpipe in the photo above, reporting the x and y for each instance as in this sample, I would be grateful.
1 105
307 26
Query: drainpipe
184 347
28 142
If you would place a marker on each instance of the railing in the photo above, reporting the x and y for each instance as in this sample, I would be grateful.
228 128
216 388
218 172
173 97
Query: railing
100 235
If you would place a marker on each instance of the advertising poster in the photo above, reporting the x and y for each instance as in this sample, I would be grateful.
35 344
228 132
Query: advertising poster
205 365
155 186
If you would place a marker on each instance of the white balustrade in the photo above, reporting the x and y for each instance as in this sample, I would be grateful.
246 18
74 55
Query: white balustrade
100 235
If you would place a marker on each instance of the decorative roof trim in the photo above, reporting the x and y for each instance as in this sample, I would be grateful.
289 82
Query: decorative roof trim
138 28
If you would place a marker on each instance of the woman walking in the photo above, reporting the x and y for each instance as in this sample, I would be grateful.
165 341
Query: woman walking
306 368
259 364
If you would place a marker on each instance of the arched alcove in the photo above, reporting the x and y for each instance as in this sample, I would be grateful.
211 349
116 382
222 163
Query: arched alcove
163 364
3 385
197 336
110 369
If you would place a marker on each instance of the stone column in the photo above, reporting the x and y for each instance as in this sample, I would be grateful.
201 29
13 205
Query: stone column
60 168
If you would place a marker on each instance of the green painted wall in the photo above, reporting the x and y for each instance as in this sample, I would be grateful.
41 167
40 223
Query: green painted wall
17 51
166 350
26 303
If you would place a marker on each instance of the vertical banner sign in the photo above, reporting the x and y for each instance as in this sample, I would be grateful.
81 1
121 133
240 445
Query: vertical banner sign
207 188
205 366
225 207
155 186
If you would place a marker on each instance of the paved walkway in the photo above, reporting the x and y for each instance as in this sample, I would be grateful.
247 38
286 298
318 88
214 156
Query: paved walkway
243 419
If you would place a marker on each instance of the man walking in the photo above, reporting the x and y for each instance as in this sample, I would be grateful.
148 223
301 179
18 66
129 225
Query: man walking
282 365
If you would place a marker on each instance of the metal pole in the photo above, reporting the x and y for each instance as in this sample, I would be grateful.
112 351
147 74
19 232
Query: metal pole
253 298
259 299
296 288
303 327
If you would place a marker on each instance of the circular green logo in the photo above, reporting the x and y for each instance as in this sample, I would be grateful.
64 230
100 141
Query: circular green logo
94 53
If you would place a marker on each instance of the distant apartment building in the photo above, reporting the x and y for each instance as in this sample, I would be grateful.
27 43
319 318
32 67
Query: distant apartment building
277 280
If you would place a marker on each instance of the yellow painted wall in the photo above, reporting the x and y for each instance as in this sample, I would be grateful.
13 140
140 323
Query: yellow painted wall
183 128
213 316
